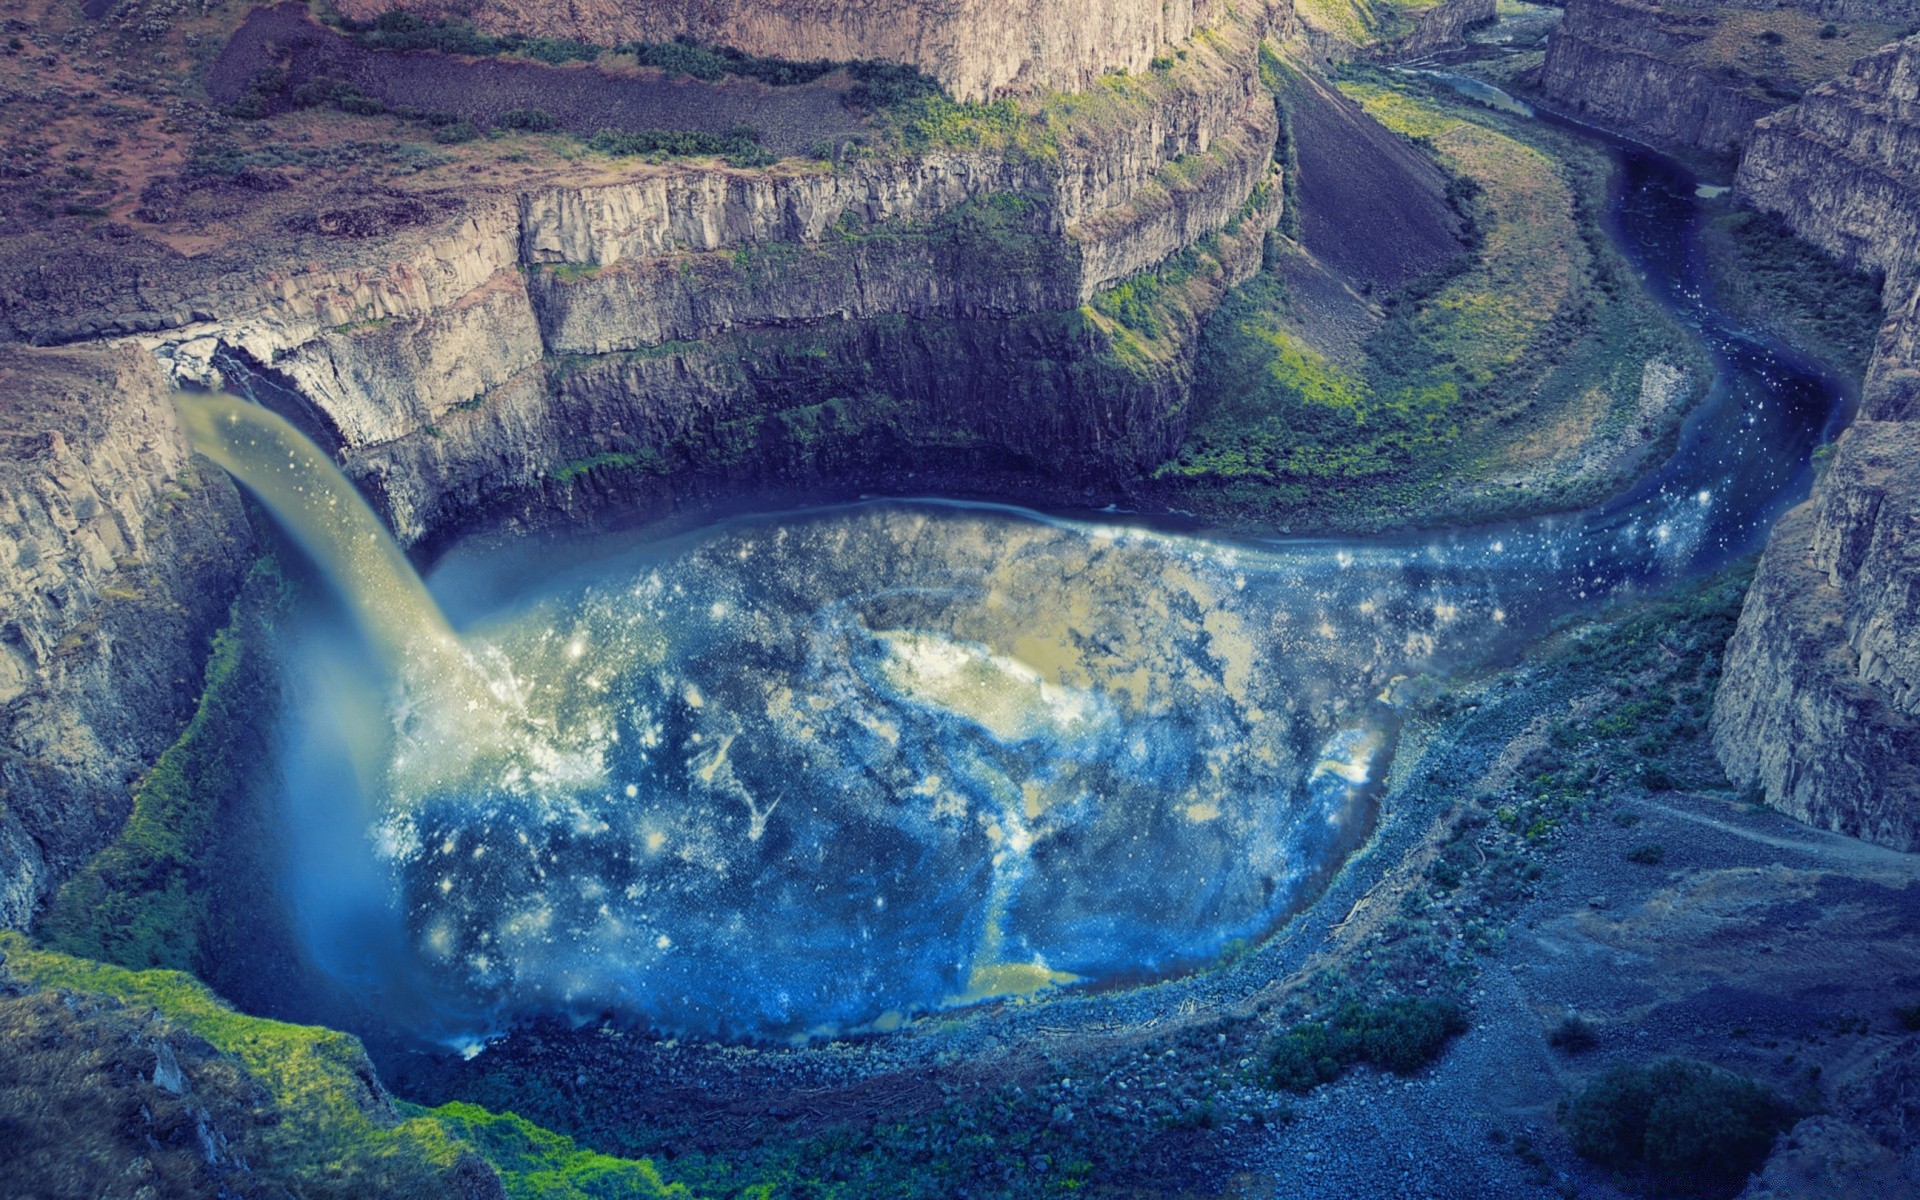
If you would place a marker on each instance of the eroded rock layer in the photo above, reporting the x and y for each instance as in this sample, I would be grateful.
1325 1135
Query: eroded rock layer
977 48
1820 706
1693 75
117 559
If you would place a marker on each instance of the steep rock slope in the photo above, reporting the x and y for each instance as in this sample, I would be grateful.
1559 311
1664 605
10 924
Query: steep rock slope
977 48
1694 76
689 316
1820 707
117 560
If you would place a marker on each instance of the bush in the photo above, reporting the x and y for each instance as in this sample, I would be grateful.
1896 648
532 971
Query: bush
1399 1035
882 85
454 133
528 120
1692 1127
1575 1035
1650 855
741 146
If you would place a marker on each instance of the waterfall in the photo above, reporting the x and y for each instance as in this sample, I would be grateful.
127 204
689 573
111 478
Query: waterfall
453 707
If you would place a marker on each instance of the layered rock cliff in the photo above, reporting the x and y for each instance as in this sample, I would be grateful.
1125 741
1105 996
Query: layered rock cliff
1694 76
1820 704
1624 65
117 560
978 48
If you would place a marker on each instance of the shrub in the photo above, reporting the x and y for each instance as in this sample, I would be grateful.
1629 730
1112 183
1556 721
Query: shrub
1693 1127
1909 1016
1574 1034
740 146
456 132
1650 855
1829 31
1399 1035
884 84
529 120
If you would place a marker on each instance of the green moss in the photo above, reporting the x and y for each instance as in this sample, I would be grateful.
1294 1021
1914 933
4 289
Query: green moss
538 1164
144 900
612 461
332 1137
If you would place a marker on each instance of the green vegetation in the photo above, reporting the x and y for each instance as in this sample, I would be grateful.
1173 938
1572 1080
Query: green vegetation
1399 1035
876 84
613 461
538 1164
740 146
1650 855
1531 342
144 900
1688 1127
1766 275
331 1135
405 31
527 120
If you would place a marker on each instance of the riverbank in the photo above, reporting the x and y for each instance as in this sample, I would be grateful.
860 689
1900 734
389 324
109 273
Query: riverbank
1529 374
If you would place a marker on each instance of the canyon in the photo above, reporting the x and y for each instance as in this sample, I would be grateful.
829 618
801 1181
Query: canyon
999 291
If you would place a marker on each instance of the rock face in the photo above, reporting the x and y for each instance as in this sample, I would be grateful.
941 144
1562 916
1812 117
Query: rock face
1820 704
1625 65
684 317
978 48
117 560
1693 75
1337 32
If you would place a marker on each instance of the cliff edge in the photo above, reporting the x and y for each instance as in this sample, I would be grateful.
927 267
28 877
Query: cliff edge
1819 709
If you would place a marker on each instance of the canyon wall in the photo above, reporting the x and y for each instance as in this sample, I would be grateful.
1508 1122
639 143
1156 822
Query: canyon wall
118 556
978 49
1819 708
1694 75
1625 65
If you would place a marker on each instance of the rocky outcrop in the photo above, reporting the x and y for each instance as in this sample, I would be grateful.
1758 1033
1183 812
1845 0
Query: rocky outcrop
978 48
1843 166
1819 708
117 561
656 321
1629 66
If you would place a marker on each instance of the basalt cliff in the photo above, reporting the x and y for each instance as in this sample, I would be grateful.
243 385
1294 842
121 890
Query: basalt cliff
1820 707
977 49
1693 76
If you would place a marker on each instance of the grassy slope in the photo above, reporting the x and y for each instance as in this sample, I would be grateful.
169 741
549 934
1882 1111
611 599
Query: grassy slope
1543 319
330 1136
